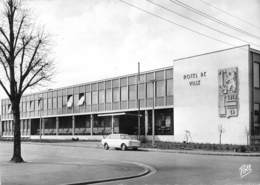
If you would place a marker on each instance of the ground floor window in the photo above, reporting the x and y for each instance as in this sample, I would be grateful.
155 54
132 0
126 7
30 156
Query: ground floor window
163 122
256 127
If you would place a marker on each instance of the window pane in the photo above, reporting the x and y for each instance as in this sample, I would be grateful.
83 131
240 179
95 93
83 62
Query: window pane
115 83
31 105
132 80
49 103
94 97
124 94
81 100
108 96
59 102
101 85
160 88
149 90
256 75
123 81
141 91
132 92
169 87
88 98
101 96
169 73
116 95
94 87
69 101
54 103
159 75
149 77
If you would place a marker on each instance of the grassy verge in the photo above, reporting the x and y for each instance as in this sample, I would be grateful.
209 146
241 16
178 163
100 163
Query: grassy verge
201 146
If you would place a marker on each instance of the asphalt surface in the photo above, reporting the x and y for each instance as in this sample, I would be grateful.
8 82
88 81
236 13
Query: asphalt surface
71 162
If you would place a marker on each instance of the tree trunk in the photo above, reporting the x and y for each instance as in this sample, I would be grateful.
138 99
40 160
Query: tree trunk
17 158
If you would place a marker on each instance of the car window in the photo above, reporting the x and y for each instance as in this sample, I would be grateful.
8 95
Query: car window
115 136
125 137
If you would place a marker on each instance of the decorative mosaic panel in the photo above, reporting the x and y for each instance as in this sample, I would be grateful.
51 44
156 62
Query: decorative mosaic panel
228 84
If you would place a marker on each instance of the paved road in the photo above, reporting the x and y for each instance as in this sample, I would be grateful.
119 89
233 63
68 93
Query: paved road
172 168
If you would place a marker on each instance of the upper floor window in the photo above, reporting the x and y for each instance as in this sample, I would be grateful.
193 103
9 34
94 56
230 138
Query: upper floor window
69 101
132 92
81 99
160 88
124 93
101 96
9 109
88 98
31 105
169 87
141 91
116 95
149 90
94 97
108 95
40 104
256 75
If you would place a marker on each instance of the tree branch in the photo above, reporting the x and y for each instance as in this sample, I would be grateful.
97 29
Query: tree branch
5 68
4 54
30 67
23 46
6 91
29 84
5 47
19 31
3 33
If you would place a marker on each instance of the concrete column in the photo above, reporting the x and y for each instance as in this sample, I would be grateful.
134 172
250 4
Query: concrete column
21 126
25 127
112 124
73 125
29 127
43 126
146 121
57 125
91 124
1 131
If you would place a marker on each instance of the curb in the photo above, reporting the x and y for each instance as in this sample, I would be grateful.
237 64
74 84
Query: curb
148 170
192 152
202 153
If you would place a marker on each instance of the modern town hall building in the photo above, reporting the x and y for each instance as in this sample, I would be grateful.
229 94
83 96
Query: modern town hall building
190 101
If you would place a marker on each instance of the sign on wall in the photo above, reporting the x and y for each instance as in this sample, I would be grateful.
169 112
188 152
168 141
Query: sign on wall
228 92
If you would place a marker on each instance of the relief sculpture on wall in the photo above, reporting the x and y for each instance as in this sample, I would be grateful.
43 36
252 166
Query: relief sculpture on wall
228 91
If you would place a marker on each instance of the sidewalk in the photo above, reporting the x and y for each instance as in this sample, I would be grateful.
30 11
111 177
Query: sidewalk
45 172
205 152
48 165
195 152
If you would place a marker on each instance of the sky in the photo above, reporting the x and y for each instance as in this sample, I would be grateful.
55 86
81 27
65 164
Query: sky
98 39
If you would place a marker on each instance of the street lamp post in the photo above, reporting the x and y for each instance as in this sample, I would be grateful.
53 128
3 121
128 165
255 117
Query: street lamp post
40 111
138 101
153 114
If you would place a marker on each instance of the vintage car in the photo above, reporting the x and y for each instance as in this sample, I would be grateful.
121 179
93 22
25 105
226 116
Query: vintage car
123 141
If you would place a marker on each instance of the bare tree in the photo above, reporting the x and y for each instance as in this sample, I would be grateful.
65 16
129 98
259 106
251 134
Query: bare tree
24 60
221 130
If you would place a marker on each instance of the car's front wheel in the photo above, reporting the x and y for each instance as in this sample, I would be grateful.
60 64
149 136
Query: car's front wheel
106 147
123 147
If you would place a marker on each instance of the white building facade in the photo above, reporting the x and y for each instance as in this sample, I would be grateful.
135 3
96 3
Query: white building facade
194 100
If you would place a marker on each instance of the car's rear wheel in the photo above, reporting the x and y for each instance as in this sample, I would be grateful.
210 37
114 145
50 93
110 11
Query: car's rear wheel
135 148
106 147
123 147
